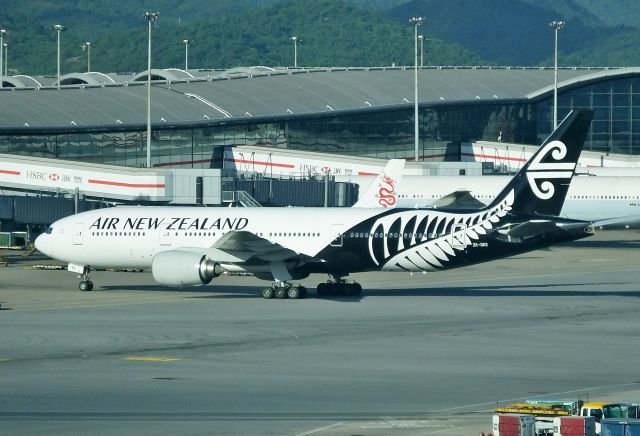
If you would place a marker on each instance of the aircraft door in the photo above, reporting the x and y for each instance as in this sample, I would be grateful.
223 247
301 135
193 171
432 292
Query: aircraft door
458 236
336 235
78 234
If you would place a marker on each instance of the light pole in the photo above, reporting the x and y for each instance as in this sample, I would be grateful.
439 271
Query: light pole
416 21
3 32
6 59
58 28
295 40
556 25
150 17
421 38
186 53
87 46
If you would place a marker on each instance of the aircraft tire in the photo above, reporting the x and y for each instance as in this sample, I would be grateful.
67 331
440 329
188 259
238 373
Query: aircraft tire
86 286
344 289
281 292
294 293
357 289
267 293
322 290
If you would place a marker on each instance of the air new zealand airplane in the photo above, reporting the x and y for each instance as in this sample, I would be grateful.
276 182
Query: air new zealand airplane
187 246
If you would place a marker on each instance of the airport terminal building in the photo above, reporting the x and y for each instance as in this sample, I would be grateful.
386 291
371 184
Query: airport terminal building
358 112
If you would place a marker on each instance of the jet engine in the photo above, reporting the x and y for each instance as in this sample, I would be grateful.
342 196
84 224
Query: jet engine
183 268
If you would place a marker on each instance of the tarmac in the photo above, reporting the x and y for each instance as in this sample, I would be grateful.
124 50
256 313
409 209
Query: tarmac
417 355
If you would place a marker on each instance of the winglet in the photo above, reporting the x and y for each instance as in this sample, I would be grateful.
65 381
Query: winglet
383 191
541 186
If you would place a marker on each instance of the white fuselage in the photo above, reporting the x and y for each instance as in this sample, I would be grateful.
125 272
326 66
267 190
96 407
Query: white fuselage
589 198
132 236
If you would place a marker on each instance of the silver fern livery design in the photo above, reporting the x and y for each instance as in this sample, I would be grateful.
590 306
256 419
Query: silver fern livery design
522 218
427 241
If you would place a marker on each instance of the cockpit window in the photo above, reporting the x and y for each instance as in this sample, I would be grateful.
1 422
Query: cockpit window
49 230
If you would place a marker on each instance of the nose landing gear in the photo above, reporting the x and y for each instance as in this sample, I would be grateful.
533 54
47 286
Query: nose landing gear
86 285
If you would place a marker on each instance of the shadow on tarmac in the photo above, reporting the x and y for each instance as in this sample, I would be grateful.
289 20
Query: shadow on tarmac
230 292
545 290
501 291
589 243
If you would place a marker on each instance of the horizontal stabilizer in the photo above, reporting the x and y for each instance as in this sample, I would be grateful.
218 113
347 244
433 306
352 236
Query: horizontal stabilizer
458 200
528 229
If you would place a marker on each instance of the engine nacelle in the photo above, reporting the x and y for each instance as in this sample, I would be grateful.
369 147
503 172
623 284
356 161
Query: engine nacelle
182 268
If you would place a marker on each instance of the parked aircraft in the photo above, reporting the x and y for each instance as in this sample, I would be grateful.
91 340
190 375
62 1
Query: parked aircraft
382 192
589 198
191 246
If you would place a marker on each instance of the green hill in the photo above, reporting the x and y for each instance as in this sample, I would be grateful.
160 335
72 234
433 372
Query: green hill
333 33
506 32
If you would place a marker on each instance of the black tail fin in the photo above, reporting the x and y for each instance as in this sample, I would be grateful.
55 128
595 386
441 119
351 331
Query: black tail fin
541 186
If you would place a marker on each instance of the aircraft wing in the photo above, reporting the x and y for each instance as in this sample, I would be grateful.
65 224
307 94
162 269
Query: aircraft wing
241 246
619 222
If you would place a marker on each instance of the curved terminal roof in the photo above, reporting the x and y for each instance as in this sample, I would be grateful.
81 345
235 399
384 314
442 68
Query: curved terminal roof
170 74
91 78
180 98
13 82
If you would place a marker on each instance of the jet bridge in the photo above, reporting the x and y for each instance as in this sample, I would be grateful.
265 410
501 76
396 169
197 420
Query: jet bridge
20 175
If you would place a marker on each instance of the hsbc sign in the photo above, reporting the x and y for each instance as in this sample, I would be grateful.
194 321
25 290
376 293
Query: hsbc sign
46 176
37 175
154 185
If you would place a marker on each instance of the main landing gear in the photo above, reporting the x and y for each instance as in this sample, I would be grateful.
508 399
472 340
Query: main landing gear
338 287
282 290
85 285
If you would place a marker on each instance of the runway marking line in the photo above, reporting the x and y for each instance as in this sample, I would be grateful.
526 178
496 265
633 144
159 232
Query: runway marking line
151 359
318 430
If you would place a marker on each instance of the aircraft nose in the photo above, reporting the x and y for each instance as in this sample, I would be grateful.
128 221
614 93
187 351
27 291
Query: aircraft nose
43 244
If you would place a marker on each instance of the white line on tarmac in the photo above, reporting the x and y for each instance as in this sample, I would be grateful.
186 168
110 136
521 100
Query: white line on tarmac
318 430
445 430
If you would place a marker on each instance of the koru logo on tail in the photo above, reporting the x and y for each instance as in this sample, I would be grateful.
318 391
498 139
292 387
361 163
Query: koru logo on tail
544 171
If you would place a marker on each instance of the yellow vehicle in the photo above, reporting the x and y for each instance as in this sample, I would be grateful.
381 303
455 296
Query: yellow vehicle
543 408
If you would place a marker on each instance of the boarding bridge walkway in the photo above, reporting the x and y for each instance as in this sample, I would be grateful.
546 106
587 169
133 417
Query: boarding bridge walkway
108 182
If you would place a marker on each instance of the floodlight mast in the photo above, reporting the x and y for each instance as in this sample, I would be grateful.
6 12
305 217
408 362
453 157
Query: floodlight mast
150 17
295 40
87 46
3 32
416 21
556 25
58 28
186 53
